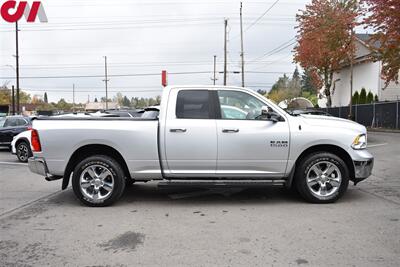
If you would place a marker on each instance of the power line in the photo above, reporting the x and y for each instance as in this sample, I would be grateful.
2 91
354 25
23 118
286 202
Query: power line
259 18
135 75
123 65
91 91
161 25
276 49
101 76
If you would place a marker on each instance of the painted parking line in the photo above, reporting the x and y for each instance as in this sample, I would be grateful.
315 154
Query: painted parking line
13 163
376 145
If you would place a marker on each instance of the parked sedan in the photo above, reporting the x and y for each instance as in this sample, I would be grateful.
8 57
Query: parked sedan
21 146
11 126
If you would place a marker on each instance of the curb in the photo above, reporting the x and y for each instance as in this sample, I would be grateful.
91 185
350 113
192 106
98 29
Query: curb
383 130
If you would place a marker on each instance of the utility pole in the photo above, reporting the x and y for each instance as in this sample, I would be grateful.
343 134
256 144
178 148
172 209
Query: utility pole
225 50
106 80
17 63
73 97
215 70
13 99
241 43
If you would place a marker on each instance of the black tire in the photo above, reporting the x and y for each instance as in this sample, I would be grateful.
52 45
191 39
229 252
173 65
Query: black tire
23 151
101 161
303 169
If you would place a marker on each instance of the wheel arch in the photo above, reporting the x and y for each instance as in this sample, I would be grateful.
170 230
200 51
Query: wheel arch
336 150
23 139
90 150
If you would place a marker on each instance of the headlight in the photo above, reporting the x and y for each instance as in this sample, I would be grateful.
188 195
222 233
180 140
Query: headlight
360 142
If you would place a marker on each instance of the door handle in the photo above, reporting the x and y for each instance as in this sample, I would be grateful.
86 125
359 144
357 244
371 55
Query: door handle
182 130
230 130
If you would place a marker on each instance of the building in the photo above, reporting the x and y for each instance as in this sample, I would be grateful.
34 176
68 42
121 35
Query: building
96 106
366 74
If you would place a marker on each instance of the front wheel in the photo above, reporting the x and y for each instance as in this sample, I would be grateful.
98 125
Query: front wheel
322 178
98 181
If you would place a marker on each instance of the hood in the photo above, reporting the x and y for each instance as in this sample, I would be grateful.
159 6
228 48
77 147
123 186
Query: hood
334 122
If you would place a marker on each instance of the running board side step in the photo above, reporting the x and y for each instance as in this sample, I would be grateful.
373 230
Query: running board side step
221 183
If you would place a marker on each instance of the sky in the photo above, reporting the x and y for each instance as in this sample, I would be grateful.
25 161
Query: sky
142 38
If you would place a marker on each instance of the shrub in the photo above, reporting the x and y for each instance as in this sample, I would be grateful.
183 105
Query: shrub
370 97
363 96
356 98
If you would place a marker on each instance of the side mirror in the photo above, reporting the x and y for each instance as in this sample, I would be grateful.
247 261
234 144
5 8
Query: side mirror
269 114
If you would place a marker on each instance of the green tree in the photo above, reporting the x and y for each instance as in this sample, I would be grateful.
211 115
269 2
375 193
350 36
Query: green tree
95 100
126 102
307 82
282 83
370 97
134 102
46 100
356 98
5 96
296 74
63 105
363 96
376 98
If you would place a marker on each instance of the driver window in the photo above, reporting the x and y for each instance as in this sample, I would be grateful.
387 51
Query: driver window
236 105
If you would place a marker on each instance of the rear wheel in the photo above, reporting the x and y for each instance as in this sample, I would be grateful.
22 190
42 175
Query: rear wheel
98 181
23 151
322 178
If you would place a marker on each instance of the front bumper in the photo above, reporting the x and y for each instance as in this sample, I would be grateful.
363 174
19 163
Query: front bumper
362 170
39 166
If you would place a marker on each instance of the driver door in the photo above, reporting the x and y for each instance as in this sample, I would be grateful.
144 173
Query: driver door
247 144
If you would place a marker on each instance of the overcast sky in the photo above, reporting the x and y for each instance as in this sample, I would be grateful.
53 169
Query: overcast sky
145 37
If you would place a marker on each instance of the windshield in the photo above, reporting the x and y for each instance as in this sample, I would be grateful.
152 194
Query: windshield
2 121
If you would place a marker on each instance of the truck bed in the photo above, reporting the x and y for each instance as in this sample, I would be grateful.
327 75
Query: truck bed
135 139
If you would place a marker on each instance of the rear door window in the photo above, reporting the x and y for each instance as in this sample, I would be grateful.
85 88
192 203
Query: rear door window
193 104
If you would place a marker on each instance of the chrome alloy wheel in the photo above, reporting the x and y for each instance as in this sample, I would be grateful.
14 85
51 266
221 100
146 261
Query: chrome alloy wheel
324 179
22 152
96 183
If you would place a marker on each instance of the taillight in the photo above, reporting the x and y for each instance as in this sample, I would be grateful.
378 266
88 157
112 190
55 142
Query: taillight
35 141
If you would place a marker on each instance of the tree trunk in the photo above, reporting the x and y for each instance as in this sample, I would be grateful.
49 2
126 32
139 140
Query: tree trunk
328 75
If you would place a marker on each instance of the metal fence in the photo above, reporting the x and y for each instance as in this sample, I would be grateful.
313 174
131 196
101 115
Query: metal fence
375 115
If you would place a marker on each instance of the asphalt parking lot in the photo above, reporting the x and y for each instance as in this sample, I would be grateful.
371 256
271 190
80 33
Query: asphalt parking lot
43 226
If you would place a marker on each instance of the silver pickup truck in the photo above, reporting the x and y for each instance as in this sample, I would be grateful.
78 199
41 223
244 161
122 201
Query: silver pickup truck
203 134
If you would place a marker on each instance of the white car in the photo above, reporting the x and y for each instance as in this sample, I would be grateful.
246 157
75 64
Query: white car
21 146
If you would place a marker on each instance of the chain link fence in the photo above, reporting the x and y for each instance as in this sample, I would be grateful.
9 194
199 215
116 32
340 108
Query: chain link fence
375 115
